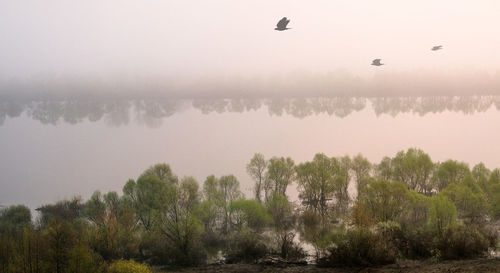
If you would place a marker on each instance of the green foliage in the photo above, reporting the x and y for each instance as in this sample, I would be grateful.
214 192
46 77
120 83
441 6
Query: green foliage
257 170
162 172
448 172
361 167
385 201
406 207
178 224
66 210
251 214
319 235
360 247
318 182
14 218
413 168
246 246
284 220
124 266
469 199
280 174
148 196
442 214
384 170
113 232
460 241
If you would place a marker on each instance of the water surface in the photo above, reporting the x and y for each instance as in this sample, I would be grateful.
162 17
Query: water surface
51 150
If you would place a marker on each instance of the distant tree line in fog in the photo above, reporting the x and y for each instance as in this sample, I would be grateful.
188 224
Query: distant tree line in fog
404 207
293 84
119 112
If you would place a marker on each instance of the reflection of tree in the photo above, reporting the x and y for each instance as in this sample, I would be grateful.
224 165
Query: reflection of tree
207 106
423 105
47 112
303 107
151 112
10 110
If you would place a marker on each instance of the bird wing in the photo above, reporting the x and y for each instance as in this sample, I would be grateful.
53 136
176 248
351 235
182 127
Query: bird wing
282 23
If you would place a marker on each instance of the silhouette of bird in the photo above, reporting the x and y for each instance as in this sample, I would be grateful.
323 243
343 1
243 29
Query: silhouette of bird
435 48
282 24
377 62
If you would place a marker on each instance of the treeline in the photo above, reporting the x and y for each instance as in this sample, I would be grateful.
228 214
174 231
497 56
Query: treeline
301 84
404 207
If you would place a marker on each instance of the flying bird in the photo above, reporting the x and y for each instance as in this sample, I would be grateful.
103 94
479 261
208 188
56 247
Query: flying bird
377 62
282 24
435 48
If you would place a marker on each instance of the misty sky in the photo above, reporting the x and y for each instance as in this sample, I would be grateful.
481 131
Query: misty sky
190 39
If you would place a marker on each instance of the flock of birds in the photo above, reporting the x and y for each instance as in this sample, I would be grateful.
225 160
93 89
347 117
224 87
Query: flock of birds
282 25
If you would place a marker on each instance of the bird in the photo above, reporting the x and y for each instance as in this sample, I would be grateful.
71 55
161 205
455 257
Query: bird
435 48
282 24
377 62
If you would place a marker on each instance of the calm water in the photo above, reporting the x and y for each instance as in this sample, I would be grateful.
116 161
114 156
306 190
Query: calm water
52 150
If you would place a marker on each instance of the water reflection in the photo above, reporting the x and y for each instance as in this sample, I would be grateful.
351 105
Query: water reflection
151 112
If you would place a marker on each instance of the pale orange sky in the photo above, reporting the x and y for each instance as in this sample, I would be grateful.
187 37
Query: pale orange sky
225 37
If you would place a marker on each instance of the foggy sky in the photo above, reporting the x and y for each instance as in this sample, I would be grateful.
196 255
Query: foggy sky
189 39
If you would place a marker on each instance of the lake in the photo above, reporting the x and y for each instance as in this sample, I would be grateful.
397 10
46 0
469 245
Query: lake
55 149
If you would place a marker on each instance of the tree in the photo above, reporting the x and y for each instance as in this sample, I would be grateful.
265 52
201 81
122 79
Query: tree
67 210
469 199
385 201
318 233
250 214
316 183
448 172
481 175
229 189
361 167
179 224
284 221
342 184
414 168
163 172
442 213
281 173
384 169
61 238
14 219
148 197
219 194
257 170
115 225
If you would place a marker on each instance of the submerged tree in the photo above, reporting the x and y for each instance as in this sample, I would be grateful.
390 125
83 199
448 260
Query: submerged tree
414 168
361 168
281 173
257 170
317 183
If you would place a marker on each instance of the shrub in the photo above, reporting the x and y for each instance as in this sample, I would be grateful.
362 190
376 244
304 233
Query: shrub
415 243
246 246
360 247
462 241
124 266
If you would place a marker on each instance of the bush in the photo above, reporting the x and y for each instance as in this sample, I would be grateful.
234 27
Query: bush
415 243
246 246
124 266
462 241
360 247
